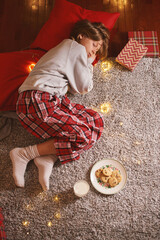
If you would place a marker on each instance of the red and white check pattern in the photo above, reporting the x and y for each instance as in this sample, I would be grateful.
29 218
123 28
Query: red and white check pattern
148 39
74 127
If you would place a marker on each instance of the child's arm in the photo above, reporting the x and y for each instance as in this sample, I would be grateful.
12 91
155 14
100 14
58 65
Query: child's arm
81 73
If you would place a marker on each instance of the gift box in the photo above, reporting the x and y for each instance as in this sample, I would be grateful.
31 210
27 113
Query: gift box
131 54
148 39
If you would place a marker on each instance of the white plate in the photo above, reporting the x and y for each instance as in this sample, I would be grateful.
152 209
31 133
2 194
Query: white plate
98 186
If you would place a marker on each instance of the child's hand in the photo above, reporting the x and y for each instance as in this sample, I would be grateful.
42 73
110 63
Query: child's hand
93 56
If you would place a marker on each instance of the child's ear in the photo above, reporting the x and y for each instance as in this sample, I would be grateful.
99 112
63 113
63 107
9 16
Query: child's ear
80 37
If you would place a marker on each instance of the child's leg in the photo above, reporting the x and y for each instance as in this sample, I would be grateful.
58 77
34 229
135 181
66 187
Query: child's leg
46 148
45 165
21 156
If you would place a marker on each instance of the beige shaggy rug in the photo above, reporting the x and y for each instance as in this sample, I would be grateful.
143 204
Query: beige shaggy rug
131 136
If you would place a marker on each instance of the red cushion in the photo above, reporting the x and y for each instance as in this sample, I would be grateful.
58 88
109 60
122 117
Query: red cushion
63 17
14 68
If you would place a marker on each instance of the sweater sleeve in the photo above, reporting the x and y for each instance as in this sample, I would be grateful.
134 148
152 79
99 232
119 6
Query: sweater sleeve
80 70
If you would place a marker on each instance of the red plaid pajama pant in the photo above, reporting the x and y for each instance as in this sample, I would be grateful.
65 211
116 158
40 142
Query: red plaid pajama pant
73 127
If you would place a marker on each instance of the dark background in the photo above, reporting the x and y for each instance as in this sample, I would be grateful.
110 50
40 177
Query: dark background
21 20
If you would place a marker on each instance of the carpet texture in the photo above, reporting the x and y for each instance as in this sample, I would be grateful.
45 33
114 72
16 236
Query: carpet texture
131 135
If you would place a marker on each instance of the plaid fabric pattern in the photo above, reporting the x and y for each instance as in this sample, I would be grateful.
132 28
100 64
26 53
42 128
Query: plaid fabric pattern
148 39
2 230
74 127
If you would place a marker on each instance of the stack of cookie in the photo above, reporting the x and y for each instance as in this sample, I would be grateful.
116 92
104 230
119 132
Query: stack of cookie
109 177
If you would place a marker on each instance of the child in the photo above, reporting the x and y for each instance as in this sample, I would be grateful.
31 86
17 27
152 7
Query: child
45 111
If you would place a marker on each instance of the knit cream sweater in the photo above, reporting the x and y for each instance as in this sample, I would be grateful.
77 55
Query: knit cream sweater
63 68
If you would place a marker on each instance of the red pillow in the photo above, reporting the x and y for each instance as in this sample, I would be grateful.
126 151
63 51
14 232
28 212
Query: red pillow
63 17
14 68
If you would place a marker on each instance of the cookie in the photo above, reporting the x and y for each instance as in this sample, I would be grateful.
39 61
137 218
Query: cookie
114 173
107 171
113 181
119 178
117 175
98 172
104 179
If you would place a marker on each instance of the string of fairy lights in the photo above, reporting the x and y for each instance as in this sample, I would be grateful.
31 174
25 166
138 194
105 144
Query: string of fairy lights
105 108
105 66
30 207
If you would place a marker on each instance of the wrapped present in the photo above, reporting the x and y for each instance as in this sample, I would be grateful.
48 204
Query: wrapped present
131 54
148 39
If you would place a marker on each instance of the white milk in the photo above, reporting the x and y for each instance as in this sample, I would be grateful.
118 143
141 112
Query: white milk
81 188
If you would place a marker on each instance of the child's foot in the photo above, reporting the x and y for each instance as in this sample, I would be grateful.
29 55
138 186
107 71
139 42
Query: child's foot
45 165
20 158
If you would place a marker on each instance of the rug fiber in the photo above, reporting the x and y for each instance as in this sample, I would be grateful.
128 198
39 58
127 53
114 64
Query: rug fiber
131 136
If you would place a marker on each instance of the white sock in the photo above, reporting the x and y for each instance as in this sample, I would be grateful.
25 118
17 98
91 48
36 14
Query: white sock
45 165
20 158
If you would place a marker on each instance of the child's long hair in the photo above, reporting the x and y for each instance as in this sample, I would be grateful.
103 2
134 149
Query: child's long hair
95 31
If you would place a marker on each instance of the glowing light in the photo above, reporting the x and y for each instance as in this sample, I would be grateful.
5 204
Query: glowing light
25 223
31 66
56 198
121 123
137 143
42 195
29 207
34 7
105 107
106 66
138 162
57 215
49 224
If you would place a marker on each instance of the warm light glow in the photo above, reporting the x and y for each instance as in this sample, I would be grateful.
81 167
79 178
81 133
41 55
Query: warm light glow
34 7
26 223
58 215
121 123
137 142
106 66
28 206
56 198
105 107
138 162
42 195
49 224
31 66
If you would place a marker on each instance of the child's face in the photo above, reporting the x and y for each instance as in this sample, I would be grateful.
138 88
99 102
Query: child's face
91 46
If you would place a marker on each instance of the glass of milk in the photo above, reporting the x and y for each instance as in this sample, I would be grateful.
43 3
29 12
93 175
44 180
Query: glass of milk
81 188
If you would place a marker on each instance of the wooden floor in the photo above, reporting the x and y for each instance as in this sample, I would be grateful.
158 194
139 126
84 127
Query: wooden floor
21 20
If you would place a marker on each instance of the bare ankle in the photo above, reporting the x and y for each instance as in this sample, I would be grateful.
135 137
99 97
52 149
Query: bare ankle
46 148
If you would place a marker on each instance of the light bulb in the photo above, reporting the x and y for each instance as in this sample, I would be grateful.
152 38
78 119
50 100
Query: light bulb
106 66
49 224
25 223
58 215
105 107
56 198
31 66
